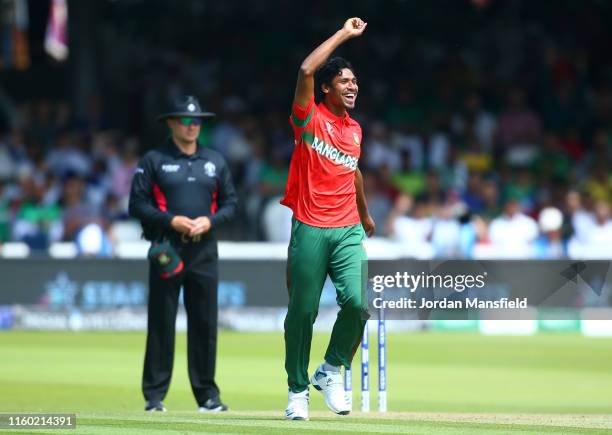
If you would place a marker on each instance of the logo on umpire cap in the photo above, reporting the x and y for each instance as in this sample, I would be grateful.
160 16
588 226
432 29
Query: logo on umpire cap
163 259
191 107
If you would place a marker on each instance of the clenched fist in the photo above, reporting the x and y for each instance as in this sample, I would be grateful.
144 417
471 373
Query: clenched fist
354 26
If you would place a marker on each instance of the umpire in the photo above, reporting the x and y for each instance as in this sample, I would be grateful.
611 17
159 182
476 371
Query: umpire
180 193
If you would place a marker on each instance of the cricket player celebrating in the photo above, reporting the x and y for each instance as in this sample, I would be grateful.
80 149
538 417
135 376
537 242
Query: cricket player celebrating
330 216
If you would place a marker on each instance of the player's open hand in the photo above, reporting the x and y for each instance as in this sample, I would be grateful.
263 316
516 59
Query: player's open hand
354 26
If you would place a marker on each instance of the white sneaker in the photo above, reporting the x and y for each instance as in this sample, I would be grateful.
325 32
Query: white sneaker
331 385
297 408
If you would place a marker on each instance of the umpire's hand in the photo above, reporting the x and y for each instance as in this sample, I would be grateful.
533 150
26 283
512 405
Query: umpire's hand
182 224
201 226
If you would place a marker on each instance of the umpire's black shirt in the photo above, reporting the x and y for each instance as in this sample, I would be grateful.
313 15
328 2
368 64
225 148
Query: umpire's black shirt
168 183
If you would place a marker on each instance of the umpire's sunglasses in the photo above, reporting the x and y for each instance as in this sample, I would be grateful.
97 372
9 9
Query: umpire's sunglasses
186 120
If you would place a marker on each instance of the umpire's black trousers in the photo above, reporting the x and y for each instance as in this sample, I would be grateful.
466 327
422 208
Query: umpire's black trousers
199 280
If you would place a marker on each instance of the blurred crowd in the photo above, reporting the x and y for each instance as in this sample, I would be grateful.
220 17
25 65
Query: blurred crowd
60 175
501 147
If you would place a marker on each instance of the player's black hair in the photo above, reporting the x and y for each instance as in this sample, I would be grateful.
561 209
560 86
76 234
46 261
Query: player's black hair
330 69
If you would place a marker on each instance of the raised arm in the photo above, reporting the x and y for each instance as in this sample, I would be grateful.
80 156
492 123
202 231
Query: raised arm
304 90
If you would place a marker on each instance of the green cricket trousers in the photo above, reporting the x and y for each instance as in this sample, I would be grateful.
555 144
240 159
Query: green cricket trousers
315 253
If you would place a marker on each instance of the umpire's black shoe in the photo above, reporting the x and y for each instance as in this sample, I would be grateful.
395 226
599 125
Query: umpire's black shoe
153 406
213 405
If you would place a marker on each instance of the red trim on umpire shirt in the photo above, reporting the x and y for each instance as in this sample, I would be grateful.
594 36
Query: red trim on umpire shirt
160 198
214 206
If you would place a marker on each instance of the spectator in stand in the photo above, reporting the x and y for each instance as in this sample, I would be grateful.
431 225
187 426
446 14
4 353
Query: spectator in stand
475 121
439 146
253 201
580 218
564 108
595 240
599 184
408 180
272 181
473 232
77 210
553 160
473 192
550 244
474 157
379 202
573 144
404 110
229 136
114 209
446 232
520 130
98 183
103 146
600 233
411 226
377 149
522 187
123 172
67 158
93 241
37 224
434 192
408 141
273 175
406 117
491 206
21 154
513 233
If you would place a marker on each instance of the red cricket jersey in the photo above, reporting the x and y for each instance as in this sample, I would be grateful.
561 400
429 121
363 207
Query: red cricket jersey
321 184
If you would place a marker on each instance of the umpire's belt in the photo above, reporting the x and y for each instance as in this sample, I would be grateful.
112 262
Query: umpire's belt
186 239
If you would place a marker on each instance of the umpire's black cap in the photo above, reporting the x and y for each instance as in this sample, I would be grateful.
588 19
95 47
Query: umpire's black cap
186 106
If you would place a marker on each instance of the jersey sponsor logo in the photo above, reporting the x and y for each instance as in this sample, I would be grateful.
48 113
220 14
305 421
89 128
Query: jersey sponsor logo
329 127
210 169
171 168
335 155
356 139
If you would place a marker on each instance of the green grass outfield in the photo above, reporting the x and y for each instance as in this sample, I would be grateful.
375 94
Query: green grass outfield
446 383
